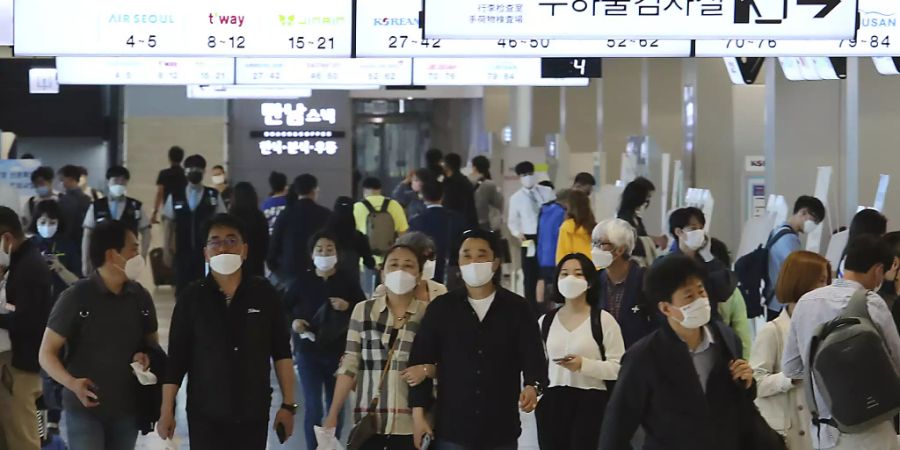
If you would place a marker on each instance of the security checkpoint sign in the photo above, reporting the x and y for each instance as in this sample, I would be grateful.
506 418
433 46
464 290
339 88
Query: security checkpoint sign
643 19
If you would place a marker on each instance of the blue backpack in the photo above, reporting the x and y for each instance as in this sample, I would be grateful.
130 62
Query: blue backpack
752 272
551 217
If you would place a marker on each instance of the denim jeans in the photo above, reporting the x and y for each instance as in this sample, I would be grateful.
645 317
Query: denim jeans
316 371
88 432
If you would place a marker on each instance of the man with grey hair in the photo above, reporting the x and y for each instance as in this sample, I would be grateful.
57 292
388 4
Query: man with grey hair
621 279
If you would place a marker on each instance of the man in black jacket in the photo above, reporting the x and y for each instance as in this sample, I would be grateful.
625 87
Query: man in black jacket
288 252
23 316
445 227
683 382
487 345
459 194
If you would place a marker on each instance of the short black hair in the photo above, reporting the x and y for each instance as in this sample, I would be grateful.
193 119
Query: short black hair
524 168
483 165
453 162
176 154
10 222
83 170
433 157
680 218
425 175
432 191
893 241
42 173
52 210
812 204
590 274
547 183
635 195
485 235
70 171
669 274
277 181
218 166
720 251
867 250
118 171
586 179
372 183
322 234
305 184
867 221
107 235
225 220
196 161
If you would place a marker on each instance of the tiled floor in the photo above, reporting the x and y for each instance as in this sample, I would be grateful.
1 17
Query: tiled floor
164 305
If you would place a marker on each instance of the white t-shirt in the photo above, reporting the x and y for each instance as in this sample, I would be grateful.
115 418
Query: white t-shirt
580 342
482 306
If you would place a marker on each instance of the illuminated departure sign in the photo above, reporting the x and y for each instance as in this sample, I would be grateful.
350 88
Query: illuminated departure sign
486 72
392 28
6 22
662 19
114 70
311 72
304 28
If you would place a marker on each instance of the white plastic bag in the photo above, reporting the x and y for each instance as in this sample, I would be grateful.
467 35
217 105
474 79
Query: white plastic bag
173 444
326 439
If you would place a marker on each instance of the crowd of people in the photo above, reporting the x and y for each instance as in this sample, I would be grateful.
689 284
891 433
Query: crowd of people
621 339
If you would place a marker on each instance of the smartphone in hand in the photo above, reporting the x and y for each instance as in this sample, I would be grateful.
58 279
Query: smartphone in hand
426 442
282 434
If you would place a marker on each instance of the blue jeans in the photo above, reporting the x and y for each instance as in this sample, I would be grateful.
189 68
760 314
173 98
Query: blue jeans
87 432
316 371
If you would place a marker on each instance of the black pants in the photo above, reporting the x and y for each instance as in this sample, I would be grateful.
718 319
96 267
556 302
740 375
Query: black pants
389 442
570 418
210 434
189 267
530 273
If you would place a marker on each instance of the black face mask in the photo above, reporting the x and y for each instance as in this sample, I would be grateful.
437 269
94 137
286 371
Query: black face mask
195 177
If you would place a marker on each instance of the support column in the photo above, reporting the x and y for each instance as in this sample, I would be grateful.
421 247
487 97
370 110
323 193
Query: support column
850 144
769 123
645 97
689 118
600 161
521 108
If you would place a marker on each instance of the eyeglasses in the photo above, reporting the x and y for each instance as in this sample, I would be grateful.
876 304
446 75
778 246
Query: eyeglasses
219 244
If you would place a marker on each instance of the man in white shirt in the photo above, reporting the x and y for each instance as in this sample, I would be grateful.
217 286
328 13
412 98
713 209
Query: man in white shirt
524 208
868 257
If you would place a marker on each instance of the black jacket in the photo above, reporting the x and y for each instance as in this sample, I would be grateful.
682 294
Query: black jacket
289 246
445 227
28 288
482 366
658 389
459 195
637 317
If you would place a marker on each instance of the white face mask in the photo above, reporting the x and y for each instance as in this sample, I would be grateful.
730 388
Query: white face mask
428 269
696 314
325 263
400 282
571 286
218 179
134 267
226 263
117 190
5 253
528 181
809 226
602 258
694 240
477 274
47 231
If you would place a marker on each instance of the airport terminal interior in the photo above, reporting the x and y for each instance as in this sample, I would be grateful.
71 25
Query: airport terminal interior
615 134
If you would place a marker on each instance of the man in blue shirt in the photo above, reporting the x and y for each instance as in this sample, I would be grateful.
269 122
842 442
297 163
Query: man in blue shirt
808 214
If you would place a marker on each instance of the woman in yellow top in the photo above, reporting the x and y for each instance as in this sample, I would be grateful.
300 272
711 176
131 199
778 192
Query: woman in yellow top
575 232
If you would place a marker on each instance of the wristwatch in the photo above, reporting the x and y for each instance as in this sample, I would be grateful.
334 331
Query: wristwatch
290 407
537 388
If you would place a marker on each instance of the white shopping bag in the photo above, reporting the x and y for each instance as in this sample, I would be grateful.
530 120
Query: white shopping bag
173 444
326 439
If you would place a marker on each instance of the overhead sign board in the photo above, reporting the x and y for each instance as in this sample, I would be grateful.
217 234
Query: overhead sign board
485 72
298 28
647 19
312 72
6 22
392 28
131 70
878 35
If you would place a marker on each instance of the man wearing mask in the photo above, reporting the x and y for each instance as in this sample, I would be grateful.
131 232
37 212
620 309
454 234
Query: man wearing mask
42 179
219 180
190 209
584 182
111 320
115 206
489 350
488 197
459 194
289 247
687 225
73 205
226 331
23 315
524 208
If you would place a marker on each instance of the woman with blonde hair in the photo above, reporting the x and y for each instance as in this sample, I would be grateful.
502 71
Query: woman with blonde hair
780 399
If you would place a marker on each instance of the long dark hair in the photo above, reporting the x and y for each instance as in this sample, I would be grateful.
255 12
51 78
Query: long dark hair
580 211
590 274
634 196
341 221
244 198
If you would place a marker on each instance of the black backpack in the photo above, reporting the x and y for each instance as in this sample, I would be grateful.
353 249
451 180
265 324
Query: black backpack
752 272
596 331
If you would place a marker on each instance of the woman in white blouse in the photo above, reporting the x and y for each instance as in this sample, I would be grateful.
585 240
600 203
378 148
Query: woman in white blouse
782 401
570 413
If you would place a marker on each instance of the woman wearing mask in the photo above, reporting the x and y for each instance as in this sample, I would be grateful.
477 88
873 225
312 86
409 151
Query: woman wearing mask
427 289
380 337
319 302
585 345
352 244
220 182
635 200
575 232
245 206
782 401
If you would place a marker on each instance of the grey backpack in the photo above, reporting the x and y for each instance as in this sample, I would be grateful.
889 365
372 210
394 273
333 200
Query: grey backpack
380 227
853 371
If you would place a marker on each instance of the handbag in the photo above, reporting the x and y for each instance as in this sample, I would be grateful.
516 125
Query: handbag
367 427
